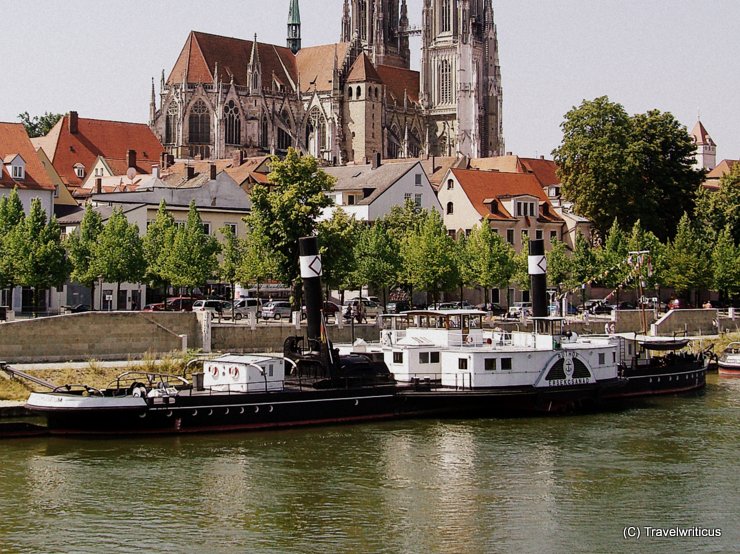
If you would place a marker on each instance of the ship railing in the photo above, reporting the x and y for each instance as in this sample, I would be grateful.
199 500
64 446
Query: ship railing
463 381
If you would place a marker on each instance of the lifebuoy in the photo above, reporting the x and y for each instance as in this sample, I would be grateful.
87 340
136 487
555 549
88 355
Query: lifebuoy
234 371
470 339
214 371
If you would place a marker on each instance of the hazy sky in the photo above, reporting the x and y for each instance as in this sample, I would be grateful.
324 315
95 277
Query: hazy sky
98 57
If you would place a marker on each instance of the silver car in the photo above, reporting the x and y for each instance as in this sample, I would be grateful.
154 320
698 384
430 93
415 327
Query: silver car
277 309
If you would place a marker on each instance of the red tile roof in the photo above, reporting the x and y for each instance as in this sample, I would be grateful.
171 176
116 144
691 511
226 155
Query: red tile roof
14 140
96 137
546 171
480 186
700 135
202 51
398 80
363 71
316 65
724 167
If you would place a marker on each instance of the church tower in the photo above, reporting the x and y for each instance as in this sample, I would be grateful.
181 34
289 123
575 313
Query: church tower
461 77
706 149
380 27
294 27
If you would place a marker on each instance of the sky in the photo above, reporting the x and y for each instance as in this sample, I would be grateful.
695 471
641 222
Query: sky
681 56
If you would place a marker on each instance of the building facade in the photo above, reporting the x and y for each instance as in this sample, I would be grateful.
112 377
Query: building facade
342 102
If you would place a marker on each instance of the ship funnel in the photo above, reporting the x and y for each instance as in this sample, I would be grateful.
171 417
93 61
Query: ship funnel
311 271
538 277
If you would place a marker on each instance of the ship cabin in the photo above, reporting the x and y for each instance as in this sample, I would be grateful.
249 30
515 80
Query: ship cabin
452 348
245 373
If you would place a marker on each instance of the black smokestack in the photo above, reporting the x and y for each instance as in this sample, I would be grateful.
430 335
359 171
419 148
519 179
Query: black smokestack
311 273
538 277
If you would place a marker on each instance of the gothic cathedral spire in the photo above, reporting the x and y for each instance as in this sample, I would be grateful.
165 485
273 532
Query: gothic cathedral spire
294 27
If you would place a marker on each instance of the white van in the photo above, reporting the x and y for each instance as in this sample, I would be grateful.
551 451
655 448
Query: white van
245 306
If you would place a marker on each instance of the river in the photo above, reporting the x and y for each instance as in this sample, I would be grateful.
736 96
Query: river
549 484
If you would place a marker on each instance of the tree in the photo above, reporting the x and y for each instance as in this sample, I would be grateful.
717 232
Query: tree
716 210
521 279
232 259
689 257
726 265
559 267
614 166
39 126
653 268
612 257
11 215
42 261
338 238
157 245
192 261
258 264
377 258
119 252
288 210
491 259
428 256
81 245
584 264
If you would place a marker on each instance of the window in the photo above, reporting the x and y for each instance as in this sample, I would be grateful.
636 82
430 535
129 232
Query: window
553 235
359 93
398 357
444 23
56 191
417 179
462 363
532 210
450 184
423 357
450 208
445 82
233 123
510 236
490 364
170 124
506 364
264 139
406 196
19 173
200 124
434 357
525 236
602 359
284 140
417 200
232 227
538 234
350 93
207 228
350 199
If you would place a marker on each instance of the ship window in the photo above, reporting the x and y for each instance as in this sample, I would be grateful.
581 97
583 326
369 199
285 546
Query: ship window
506 363
490 364
434 357
423 357
398 357
602 359
614 357
462 363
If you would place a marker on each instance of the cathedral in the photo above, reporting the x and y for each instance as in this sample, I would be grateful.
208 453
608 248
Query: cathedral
344 102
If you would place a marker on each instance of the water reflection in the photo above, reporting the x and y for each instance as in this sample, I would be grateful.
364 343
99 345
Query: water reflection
544 485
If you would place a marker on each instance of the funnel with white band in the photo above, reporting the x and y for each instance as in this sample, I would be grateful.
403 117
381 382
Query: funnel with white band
538 277
311 271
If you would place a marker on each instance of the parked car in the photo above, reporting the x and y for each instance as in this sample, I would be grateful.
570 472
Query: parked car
625 306
596 306
494 309
330 309
216 307
369 307
464 305
516 309
397 306
78 308
277 309
181 303
244 306
157 307
678 304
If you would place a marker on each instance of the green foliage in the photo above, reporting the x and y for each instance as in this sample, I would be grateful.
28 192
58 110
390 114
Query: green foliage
11 215
258 264
428 255
611 258
338 238
193 257
119 254
157 245
377 257
614 166
37 244
716 210
491 258
81 246
559 267
641 240
726 265
39 126
520 279
584 260
689 256
289 208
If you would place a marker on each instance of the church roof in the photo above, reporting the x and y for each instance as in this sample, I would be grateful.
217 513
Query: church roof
98 137
363 71
398 80
544 170
316 65
14 140
202 51
701 136
482 187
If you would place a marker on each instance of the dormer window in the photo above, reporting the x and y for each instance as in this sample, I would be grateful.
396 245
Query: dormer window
80 171
17 166
18 172
524 209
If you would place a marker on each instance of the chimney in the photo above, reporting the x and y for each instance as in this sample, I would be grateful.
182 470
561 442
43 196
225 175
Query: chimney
508 153
238 157
190 172
212 168
131 158
155 171
72 123
376 160
98 185
542 157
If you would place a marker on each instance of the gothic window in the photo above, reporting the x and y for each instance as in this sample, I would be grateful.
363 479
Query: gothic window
284 140
445 82
170 124
445 16
359 92
264 133
233 123
350 92
450 208
200 124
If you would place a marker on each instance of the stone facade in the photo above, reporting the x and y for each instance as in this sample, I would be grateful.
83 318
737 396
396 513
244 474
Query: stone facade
343 102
